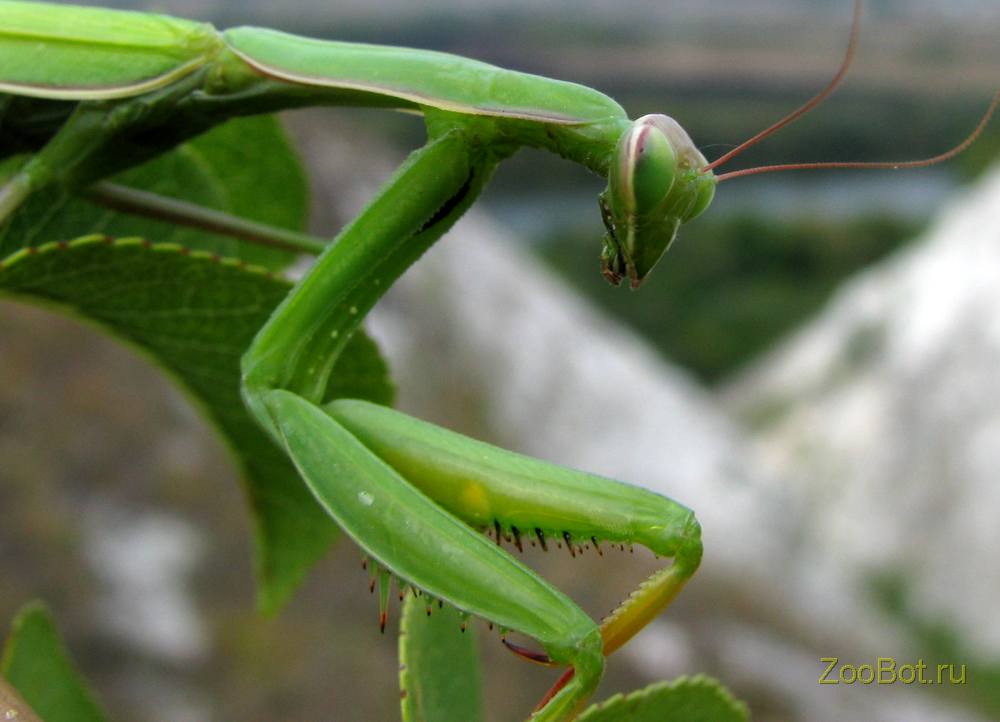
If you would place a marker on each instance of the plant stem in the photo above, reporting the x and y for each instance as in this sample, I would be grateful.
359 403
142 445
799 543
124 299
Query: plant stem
162 208
12 195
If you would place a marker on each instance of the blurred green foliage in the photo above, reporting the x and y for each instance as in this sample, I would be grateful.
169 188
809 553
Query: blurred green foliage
37 664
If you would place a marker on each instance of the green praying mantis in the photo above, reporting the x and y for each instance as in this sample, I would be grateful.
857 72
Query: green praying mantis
98 91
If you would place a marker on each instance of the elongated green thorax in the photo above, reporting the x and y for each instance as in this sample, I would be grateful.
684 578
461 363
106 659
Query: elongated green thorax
655 184
419 78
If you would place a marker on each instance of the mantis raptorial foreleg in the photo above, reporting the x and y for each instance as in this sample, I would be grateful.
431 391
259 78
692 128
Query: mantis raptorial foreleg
411 493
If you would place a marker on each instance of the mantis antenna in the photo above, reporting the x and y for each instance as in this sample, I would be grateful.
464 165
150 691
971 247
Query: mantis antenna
852 45
874 165
819 98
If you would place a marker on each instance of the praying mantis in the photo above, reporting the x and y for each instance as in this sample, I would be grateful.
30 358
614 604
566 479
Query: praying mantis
124 87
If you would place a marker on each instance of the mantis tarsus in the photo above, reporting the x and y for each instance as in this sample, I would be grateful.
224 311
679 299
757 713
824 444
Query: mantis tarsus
129 86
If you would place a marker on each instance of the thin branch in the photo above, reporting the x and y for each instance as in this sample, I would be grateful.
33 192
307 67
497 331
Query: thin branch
161 208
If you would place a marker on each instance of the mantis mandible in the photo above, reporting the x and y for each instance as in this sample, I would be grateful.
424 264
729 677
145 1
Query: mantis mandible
412 495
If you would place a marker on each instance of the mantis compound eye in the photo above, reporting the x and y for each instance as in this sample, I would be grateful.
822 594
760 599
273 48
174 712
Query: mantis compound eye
642 172
656 182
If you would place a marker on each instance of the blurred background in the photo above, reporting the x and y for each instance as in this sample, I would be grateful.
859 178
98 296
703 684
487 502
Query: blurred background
812 369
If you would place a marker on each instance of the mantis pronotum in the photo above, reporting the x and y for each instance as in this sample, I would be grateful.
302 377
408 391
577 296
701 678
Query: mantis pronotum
403 489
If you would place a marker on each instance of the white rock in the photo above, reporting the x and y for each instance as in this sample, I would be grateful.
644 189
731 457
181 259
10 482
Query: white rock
888 420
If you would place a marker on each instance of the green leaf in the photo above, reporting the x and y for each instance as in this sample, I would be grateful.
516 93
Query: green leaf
686 699
245 167
37 664
440 678
194 314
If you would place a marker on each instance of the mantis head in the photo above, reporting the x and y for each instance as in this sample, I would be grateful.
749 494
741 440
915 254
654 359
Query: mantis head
656 182
659 180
